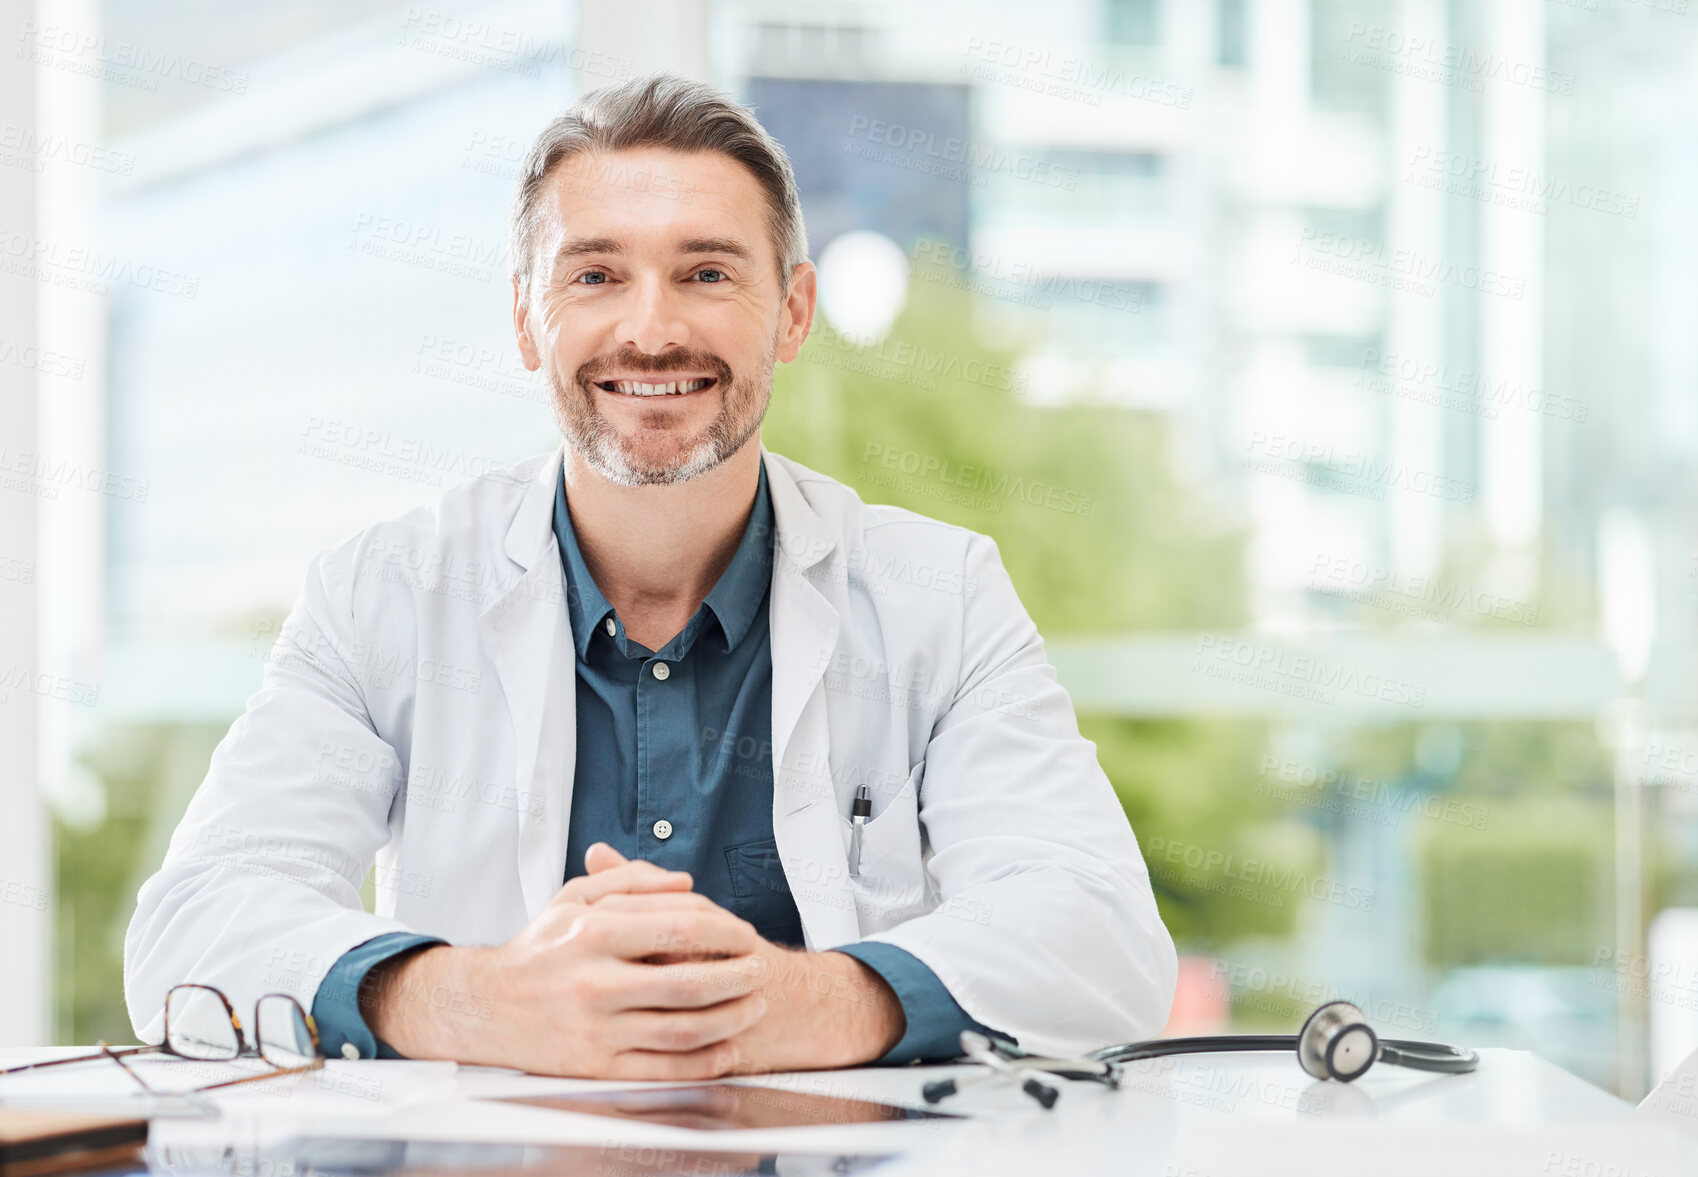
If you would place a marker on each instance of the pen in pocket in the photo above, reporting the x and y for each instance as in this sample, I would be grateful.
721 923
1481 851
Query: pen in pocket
858 816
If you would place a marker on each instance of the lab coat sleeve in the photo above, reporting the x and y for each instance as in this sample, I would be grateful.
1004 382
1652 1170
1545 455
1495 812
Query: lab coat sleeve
260 888
1046 926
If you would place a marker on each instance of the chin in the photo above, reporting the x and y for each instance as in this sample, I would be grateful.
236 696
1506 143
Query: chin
637 465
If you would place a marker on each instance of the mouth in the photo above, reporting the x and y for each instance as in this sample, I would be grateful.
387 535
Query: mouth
657 388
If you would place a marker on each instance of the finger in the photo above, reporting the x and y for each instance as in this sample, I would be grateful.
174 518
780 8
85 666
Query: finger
692 932
600 857
655 901
633 876
681 1031
709 1062
694 984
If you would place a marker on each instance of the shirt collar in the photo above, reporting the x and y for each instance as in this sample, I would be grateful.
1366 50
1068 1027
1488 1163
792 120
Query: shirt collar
734 600
585 605
737 596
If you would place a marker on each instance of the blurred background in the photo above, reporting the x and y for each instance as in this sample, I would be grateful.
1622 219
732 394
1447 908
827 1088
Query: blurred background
1326 371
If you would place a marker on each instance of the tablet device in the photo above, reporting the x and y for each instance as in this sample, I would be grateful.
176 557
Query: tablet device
717 1107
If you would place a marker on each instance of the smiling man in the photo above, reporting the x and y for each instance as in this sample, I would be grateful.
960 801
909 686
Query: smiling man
674 757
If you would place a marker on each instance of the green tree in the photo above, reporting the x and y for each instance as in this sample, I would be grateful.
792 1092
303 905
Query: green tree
148 772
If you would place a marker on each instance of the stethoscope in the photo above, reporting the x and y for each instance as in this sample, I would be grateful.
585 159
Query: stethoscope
1335 1042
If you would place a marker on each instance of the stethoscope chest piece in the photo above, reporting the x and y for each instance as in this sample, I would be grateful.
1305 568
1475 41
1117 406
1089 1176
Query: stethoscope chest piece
1337 1043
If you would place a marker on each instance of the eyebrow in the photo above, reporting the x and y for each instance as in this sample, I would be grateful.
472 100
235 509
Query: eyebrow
579 246
723 245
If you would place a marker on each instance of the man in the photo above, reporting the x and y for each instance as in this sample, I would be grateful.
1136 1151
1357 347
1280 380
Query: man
603 717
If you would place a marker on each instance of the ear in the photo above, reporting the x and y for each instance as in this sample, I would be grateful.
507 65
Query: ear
522 330
796 318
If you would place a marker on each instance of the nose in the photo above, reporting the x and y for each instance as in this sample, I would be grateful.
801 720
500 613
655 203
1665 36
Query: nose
650 320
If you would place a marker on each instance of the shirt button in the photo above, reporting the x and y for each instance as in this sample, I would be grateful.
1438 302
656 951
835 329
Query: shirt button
611 628
663 829
662 671
350 1051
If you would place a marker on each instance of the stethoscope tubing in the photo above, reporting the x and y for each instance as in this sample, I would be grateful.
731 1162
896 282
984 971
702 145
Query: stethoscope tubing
1417 1056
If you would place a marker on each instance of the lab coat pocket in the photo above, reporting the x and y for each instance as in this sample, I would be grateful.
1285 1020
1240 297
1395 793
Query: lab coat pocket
889 888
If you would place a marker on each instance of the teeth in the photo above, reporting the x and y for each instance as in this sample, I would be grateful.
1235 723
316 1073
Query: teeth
637 388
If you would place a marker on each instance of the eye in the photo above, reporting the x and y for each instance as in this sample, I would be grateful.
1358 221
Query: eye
711 275
584 278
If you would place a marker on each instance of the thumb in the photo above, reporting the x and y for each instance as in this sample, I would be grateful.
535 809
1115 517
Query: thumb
601 856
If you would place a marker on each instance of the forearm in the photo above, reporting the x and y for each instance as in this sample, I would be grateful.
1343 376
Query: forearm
1105 973
877 1022
432 1004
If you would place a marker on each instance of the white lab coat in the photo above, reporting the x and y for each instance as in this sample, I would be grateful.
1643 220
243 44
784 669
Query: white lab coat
419 708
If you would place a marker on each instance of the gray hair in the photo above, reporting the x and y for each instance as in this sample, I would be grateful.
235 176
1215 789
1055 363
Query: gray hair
662 110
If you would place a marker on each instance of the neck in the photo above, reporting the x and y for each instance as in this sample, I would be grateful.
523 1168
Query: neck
656 551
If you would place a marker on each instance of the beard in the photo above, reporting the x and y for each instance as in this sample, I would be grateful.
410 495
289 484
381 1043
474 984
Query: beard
653 455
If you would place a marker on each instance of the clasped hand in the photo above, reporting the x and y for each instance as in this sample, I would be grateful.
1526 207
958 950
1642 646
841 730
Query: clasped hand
630 974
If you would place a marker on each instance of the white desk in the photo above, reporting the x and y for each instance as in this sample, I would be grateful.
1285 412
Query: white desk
1205 1116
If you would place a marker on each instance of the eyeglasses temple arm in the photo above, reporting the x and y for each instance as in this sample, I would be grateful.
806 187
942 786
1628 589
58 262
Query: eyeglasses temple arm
315 1065
118 1057
104 1052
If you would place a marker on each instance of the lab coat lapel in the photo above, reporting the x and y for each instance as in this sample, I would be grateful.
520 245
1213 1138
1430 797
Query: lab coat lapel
804 628
528 635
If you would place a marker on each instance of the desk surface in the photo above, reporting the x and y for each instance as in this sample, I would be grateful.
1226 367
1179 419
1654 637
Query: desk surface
1204 1116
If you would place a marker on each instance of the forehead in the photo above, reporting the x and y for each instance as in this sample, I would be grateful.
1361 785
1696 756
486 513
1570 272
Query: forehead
649 196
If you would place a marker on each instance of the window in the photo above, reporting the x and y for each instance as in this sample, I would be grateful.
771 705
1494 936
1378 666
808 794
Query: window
1133 22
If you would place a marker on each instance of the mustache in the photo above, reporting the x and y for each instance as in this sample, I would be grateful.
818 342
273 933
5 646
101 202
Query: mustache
629 359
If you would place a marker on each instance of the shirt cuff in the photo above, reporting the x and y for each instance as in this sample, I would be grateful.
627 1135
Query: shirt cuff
935 1019
336 1006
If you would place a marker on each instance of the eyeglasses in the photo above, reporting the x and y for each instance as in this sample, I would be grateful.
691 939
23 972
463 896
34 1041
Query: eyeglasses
201 1024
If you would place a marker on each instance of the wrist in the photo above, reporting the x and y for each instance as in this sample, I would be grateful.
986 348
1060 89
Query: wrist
872 1013
418 1001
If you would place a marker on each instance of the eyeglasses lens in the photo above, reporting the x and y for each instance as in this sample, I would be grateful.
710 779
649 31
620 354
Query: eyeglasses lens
284 1037
198 1024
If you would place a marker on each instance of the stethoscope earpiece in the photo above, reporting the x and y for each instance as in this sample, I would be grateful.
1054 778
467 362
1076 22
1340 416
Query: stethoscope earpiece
982 1050
1336 1042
